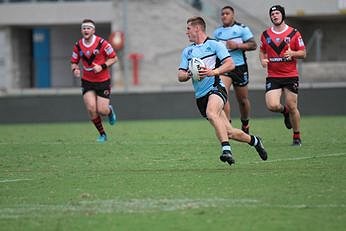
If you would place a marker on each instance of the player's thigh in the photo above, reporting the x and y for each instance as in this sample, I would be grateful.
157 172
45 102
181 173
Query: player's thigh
89 99
241 92
227 81
291 98
273 97
215 105
102 103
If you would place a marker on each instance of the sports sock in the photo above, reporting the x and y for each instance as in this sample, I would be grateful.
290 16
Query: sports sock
245 122
296 135
253 141
98 124
226 146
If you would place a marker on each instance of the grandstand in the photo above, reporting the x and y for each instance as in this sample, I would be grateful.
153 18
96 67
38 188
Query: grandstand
155 29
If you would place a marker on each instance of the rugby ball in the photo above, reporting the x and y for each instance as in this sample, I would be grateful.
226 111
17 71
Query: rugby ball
195 65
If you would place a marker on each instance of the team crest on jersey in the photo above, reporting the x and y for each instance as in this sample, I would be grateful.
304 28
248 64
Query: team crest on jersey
106 92
96 51
208 49
189 52
219 34
287 40
268 40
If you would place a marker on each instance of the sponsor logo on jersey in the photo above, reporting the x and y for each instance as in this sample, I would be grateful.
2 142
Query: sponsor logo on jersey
74 55
300 42
109 50
279 59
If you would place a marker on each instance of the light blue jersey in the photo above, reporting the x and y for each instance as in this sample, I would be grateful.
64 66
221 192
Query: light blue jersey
209 51
238 33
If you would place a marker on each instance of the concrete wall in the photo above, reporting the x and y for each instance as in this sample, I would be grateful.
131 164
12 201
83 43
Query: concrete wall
139 106
54 13
155 29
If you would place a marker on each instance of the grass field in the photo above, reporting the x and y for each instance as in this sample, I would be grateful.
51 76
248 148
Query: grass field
166 175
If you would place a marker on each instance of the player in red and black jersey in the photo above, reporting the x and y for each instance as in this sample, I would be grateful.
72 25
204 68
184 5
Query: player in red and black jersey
96 56
281 46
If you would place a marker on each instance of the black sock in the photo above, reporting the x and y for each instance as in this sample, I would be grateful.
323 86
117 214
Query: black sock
245 122
225 143
253 141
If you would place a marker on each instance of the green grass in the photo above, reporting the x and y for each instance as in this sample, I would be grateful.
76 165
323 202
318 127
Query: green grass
166 175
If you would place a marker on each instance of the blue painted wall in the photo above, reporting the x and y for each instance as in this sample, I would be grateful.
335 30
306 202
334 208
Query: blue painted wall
41 57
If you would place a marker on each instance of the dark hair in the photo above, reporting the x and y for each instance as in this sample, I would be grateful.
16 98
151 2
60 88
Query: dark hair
197 21
279 8
228 7
88 20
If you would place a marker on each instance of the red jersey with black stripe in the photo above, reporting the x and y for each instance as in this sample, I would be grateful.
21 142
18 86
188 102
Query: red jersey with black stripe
97 52
275 44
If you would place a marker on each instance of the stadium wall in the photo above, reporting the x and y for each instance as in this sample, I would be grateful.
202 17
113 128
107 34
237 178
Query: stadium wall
154 105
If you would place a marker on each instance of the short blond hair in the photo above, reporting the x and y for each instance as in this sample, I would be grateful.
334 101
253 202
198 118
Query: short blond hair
196 20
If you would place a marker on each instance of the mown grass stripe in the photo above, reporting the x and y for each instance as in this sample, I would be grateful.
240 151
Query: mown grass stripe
145 206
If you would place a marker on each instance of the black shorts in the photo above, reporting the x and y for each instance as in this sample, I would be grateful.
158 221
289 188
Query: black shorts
202 102
239 76
291 83
102 89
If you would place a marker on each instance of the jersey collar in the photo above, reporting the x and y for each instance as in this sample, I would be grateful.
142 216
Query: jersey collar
93 38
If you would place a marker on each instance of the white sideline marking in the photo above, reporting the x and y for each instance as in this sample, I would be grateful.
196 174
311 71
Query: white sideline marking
13 180
143 206
301 158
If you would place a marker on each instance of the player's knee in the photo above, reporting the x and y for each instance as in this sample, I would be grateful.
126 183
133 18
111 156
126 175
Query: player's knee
291 107
103 111
212 116
243 101
91 109
274 107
